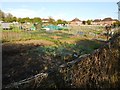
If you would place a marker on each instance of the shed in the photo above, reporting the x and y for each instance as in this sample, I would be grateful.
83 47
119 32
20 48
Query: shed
6 26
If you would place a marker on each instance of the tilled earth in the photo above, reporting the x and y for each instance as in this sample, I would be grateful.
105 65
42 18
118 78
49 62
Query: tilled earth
18 63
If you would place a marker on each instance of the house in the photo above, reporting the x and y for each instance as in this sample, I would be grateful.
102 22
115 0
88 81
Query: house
45 20
105 21
108 21
97 22
75 22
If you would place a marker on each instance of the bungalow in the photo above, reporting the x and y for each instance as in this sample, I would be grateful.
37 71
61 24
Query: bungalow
108 21
105 21
75 22
45 20
97 22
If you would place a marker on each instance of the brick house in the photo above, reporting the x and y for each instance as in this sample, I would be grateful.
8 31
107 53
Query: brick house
105 21
45 20
108 21
97 22
75 22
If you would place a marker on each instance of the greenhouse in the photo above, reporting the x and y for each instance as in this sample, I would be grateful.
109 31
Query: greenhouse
53 27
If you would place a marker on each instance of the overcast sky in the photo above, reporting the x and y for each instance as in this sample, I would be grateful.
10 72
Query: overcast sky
62 10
